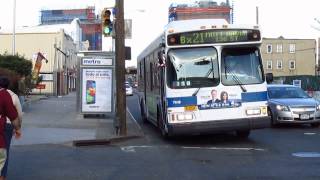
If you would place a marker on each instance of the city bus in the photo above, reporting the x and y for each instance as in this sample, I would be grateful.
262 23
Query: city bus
203 76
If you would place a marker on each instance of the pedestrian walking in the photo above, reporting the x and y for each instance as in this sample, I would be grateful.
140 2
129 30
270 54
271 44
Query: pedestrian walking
7 110
9 127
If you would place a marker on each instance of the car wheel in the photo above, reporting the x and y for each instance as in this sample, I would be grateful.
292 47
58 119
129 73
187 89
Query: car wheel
243 133
272 121
315 125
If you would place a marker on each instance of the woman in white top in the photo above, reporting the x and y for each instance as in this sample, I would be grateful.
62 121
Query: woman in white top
9 129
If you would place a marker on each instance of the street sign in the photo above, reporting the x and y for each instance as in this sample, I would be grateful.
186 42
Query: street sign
40 86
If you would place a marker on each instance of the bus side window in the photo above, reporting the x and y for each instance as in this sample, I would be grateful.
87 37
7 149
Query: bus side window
140 69
151 76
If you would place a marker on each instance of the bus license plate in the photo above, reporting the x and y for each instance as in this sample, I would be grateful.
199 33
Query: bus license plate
304 116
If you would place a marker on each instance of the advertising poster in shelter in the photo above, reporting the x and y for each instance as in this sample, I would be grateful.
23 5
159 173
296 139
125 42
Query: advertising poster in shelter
96 90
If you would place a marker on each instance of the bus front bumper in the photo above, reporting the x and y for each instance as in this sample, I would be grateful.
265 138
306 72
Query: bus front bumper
219 126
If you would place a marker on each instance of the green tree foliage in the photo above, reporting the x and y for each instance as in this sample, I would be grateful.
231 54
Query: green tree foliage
15 67
13 78
16 63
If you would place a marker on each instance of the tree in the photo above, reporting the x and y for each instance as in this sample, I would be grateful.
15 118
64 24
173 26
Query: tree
16 63
15 67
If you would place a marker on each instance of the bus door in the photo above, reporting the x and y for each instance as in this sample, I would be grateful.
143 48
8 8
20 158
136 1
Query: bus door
161 66
144 80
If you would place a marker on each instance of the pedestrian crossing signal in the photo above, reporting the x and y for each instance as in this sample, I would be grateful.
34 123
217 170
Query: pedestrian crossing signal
106 23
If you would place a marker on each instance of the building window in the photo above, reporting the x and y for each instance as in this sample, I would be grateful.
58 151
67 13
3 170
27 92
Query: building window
279 48
292 64
292 48
279 64
269 48
269 64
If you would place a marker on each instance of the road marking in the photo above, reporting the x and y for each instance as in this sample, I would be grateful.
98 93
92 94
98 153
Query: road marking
224 148
307 154
128 149
134 120
132 148
309 133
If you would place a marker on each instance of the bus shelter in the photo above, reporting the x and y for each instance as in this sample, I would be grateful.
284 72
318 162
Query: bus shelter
96 83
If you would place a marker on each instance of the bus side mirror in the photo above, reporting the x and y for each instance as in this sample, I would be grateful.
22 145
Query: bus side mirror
269 78
161 59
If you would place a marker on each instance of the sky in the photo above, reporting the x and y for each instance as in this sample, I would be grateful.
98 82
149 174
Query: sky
290 19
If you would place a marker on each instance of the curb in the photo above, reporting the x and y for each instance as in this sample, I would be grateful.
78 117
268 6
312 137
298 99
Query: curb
115 139
108 141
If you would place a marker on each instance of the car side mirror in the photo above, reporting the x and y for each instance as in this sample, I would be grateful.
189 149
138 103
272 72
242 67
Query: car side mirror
269 78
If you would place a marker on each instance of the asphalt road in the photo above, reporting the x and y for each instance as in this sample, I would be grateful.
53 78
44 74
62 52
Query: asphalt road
285 152
267 154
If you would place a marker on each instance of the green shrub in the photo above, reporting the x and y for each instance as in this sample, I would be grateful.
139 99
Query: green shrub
13 78
15 67
16 63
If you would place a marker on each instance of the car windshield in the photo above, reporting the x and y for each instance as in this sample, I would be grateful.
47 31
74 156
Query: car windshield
286 92
127 86
192 68
241 66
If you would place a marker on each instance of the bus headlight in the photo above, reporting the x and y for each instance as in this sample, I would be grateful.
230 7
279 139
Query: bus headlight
253 111
181 116
264 110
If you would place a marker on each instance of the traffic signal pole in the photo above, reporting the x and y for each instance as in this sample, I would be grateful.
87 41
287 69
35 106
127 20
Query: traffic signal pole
120 69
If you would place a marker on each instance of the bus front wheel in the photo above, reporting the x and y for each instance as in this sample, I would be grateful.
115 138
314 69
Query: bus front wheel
161 125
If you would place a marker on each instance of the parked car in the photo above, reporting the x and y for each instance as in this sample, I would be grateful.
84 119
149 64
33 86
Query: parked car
135 84
129 90
290 104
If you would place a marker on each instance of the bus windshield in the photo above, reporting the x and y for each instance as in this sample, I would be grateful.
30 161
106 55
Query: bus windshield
241 66
192 68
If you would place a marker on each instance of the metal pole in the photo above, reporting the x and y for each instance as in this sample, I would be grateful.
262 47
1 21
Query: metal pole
14 29
120 68
257 14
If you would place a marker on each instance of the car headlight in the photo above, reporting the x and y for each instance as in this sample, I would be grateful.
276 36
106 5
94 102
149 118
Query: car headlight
282 108
318 107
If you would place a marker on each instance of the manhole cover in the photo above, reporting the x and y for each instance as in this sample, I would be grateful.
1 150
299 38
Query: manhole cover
307 154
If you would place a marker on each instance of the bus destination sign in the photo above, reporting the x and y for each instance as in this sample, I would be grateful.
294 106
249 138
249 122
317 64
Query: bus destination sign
214 36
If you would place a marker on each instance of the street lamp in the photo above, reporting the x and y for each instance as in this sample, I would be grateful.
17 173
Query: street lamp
14 29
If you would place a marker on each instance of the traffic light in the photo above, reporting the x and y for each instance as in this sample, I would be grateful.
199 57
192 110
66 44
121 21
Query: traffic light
106 23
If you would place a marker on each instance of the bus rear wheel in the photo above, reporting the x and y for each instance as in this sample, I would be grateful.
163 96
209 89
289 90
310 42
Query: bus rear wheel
243 133
143 114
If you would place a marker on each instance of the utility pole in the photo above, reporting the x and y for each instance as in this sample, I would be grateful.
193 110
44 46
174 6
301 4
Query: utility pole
120 69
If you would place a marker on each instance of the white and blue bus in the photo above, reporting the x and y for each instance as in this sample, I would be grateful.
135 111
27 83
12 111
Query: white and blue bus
203 76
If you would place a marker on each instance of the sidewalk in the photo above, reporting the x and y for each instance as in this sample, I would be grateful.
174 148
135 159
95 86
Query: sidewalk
54 120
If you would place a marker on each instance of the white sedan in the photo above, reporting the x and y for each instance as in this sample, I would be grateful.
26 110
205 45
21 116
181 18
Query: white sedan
129 90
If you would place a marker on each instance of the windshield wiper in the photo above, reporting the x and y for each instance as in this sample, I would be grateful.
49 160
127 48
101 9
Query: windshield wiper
207 75
236 79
